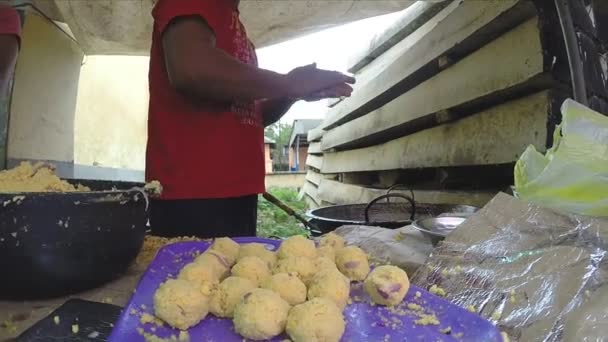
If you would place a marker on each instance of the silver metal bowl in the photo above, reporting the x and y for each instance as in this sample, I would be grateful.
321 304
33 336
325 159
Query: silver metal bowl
438 228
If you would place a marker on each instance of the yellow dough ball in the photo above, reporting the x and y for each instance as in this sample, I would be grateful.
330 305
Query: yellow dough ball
288 286
327 252
261 315
322 263
180 303
318 320
198 273
353 263
226 247
252 268
228 294
330 284
297 246
216 261
260 251
333 240
303 267
387 285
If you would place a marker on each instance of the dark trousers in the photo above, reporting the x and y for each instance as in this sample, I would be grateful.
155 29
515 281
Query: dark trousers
204 218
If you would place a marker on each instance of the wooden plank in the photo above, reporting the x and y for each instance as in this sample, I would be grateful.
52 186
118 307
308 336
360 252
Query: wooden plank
314 161
315 177
408 21
311 191
340 193
310 202
315 148
459 29
475 79
315 134
495 136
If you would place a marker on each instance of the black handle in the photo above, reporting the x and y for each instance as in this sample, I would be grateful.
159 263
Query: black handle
397 186
369 205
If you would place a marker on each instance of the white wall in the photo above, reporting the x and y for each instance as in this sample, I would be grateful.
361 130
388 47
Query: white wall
41 122
112 112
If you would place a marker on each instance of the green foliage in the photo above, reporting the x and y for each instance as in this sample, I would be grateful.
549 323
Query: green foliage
274 222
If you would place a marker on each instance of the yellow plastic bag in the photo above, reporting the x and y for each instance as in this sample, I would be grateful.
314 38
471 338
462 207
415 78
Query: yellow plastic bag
573 175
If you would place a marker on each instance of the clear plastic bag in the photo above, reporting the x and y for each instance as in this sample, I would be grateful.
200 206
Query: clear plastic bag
573 175
540 275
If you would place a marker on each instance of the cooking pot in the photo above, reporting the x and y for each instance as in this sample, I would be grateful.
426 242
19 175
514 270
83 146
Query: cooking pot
54 244
387 215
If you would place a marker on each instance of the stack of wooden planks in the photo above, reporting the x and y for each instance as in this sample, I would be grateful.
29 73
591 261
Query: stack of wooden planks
448 98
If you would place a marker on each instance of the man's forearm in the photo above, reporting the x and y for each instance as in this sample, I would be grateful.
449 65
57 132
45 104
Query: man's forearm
273 110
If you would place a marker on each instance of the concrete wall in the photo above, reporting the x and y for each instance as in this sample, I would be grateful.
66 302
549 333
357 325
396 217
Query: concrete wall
285 180
112 112
267 159
44 95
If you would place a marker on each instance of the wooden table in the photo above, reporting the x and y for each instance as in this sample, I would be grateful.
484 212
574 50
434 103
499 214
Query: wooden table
23 314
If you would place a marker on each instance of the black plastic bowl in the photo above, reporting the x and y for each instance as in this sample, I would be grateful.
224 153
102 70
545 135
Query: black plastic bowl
54 244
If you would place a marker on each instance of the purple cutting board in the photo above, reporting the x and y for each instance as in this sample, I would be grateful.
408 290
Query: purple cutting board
364 322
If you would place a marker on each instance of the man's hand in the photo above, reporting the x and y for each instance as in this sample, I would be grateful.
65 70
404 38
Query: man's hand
312 84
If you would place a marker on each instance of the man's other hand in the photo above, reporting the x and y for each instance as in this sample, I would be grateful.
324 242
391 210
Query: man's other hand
311 84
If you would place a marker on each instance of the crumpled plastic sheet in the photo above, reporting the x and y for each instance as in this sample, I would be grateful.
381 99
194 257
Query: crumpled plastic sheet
406 247
538 274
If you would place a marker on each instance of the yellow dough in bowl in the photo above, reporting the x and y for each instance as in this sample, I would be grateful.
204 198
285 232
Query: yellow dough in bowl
333 240
288 286
387 285
261 315
318 320
228 294
252 268
330 284
228 248
353 263
258 250
303 267
297 246
180 303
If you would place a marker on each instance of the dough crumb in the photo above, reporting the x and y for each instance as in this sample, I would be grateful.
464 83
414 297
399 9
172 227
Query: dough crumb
184 336
413 306
472 309
438 291
427 319
446 331
418 294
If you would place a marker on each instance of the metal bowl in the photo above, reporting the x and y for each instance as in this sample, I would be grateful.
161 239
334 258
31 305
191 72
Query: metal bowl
54 244
437 228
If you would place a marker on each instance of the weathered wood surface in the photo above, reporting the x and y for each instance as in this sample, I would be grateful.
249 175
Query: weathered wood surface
310 202
315 134
340 193
408 21
315 148
311 191
459 29
495 136
315 161
315 177
511 64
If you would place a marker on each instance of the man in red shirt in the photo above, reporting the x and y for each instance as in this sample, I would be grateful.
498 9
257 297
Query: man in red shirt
209 104
10 30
